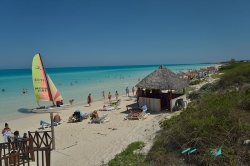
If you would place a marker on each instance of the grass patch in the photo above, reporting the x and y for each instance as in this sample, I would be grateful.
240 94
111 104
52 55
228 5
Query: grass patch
238 75
215 76
129 156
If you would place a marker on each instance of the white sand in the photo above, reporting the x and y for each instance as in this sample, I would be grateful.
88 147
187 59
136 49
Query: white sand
80 144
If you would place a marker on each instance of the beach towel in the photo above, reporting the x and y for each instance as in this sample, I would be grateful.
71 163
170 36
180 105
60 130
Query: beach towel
108 108
43 123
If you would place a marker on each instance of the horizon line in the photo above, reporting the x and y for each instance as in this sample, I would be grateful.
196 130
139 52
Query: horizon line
114 65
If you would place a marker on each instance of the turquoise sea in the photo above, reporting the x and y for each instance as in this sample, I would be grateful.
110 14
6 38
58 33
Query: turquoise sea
85 80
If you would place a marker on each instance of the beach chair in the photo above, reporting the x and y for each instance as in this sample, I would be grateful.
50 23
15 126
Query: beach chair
117 105
139 116
44 124
103 119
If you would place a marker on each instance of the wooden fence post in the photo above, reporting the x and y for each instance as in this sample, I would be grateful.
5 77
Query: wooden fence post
31 147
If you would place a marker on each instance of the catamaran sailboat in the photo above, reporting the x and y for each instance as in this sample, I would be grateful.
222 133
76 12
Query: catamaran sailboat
44 88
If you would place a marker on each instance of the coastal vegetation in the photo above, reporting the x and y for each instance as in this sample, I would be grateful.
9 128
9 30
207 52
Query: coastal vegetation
196 82
129 156
217 120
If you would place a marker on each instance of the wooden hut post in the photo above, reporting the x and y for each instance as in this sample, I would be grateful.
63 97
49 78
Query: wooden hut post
52 132
171 100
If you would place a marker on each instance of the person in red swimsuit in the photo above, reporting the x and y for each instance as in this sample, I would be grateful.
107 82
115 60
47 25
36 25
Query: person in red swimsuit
89 100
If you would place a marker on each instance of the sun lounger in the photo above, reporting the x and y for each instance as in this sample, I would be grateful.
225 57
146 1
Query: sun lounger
44 124
138 116
108 108
103 119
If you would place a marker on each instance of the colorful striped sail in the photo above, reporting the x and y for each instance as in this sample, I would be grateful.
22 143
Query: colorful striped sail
56 96
41 88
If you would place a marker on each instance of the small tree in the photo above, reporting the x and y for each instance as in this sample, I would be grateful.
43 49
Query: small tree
232 61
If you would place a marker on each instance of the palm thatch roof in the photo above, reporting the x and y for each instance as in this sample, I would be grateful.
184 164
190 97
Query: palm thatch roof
163 79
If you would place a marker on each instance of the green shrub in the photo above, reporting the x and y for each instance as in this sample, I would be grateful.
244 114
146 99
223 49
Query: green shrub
213 121
196 82
128 156
194 95
208 87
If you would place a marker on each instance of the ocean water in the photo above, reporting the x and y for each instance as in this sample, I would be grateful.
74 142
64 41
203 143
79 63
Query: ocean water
94 80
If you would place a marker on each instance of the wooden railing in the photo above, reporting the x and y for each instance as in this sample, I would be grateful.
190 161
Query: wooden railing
22 152
17 152
41 138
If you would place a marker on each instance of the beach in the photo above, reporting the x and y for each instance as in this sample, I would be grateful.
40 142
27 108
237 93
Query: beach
88 144
91 144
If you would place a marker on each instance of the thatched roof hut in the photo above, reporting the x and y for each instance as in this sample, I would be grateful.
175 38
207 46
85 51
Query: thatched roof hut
163 79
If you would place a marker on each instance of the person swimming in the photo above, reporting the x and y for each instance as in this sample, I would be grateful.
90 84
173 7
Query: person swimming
3 90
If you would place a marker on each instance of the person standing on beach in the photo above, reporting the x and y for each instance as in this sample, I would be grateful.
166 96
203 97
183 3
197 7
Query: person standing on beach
109 97
133 91
103 95
127 92
116 95
71 101
89 100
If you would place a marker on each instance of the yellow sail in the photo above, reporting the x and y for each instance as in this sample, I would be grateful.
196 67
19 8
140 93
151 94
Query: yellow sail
56 96
41 87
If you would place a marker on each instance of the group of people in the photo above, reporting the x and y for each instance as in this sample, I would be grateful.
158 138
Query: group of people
9 136
110 96
127 91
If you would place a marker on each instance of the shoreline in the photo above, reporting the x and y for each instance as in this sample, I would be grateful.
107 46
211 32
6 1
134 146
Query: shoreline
91 139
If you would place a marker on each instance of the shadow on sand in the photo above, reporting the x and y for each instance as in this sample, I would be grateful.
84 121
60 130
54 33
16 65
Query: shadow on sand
25 111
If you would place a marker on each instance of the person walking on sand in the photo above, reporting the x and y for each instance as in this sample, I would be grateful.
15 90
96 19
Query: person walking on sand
109 97
133 91
127 92
103 95
89 100
116 95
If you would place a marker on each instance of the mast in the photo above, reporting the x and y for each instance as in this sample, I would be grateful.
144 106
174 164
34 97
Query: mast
46 80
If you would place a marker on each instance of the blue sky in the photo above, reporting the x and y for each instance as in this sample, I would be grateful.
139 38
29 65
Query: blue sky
116 32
